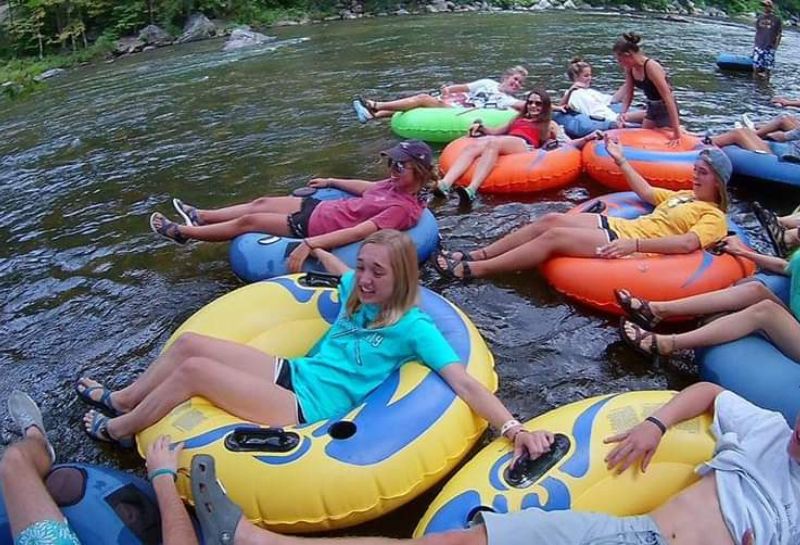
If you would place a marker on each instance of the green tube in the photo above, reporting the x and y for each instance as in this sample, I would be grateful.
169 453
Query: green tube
442 125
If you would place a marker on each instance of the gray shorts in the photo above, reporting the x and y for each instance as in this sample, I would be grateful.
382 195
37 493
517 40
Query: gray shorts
534 526
657 112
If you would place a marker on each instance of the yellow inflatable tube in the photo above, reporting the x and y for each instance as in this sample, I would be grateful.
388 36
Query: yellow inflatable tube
573 475
409 432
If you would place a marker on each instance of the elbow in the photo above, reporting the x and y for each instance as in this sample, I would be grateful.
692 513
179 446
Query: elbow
690 244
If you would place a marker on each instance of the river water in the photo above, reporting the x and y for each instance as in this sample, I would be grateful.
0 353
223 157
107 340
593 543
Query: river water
86 288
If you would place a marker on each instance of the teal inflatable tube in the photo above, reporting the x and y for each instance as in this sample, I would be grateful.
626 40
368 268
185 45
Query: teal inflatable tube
259 256
754 368
729 61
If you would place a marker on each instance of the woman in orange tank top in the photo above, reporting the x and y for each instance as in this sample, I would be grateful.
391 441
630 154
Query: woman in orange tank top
531 130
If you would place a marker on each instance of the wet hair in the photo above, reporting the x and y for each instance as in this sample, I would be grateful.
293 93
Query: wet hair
628 43
518 69
575 67
405 268
547 112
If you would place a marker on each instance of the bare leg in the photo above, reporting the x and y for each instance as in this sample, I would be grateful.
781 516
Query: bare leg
272 223
248 534
247 395
192 345
464 160
534 230
726 300
422 100
22 471
635 117
783 122
744 138
495 147
269 205
767 316
571 241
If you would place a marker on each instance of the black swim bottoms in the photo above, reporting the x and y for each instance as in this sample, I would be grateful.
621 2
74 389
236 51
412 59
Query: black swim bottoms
283 378
602 223
298 222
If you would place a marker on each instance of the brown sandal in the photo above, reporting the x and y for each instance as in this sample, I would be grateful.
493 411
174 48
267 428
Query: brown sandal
639 336
637 309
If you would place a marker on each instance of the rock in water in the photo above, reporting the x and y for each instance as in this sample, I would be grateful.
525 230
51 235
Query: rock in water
240 38
155 35
198 27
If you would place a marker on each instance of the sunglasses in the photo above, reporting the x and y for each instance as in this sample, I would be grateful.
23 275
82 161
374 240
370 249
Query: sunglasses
397 166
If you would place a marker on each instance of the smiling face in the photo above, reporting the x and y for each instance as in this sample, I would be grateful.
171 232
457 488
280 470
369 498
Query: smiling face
512 83
705 183
374 274
584 78
402 174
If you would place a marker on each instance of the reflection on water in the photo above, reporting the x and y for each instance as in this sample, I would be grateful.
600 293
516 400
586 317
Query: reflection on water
87 289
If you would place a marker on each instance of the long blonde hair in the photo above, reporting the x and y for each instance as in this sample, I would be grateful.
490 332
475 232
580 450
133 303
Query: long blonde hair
403 262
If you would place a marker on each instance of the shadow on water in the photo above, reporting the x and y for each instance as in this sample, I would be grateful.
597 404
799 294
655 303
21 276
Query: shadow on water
86 288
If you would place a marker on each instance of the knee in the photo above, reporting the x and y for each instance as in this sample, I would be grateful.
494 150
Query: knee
475 149
187 344
492 144
247 223
757 290
549 220
762 310
189 374
260 202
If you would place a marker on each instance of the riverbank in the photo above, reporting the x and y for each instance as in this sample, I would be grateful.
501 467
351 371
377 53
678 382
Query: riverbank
20 76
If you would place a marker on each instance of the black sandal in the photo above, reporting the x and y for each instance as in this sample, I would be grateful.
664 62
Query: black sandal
449 270
637 309
775 230
639 335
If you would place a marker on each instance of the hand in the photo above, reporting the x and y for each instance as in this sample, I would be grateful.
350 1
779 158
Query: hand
613 148
535 443
617 248
163 455
780 101
641 441
596 135
674 141
444 90
319 183
621 120
734 246
298 257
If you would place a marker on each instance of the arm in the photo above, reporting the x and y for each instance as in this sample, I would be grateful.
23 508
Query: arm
638 184
770 263
332 264
626 92
494 131
455 88
641 441
356 187
328 241
619 95
659 78
783 101
486 404
176 527
675 244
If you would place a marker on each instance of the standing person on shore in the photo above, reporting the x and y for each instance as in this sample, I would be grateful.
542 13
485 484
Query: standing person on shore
768 36
648 75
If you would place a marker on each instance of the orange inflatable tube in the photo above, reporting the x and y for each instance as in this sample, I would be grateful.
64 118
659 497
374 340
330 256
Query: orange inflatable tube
656 277
648 153
520 172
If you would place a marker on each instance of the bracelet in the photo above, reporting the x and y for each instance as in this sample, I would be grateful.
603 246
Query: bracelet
658 423
508 424
163 471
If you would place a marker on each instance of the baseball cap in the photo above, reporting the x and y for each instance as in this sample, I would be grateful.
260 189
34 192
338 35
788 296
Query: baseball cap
414 150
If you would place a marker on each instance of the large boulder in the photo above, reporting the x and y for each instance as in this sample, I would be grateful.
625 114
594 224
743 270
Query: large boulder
198 27
241 37
47 74
155 35
128 45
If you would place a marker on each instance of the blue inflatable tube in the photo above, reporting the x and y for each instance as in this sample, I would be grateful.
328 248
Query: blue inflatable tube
729 61
763 166
258 256
754 368
103 506
577 125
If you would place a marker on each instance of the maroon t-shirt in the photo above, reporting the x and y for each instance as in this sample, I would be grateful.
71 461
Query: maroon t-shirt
383 204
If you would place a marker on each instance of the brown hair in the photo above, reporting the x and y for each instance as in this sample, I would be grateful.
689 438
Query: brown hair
628 43
547 111
575 67
404 265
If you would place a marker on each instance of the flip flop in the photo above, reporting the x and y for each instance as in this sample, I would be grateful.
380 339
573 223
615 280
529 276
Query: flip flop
168 228
774 229
104 403
26 414
637 309
217 514
98 430
448 271
187 212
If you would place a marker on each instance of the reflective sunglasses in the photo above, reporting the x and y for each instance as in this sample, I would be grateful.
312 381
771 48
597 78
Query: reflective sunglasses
397 166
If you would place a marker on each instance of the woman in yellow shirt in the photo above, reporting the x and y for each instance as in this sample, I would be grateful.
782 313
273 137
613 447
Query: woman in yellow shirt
683 221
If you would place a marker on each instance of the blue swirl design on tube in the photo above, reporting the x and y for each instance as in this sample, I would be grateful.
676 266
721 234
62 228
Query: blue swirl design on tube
578 464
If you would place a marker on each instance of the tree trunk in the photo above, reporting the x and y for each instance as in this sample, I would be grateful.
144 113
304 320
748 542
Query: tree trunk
41 46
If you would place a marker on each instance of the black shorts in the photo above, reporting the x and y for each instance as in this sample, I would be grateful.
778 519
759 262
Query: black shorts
298 222
284 380
602 223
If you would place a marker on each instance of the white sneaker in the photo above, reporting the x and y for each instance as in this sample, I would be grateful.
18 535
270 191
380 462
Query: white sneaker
747 122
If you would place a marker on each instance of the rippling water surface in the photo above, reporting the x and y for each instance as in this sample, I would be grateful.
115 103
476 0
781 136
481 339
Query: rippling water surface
86 288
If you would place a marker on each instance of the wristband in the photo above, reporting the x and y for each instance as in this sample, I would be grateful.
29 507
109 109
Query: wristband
658 423
163 471
508 424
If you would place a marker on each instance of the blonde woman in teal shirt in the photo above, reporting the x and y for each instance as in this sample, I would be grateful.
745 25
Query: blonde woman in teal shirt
379 328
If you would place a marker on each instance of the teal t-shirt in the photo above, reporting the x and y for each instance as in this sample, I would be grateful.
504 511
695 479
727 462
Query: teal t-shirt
351 360
794 292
